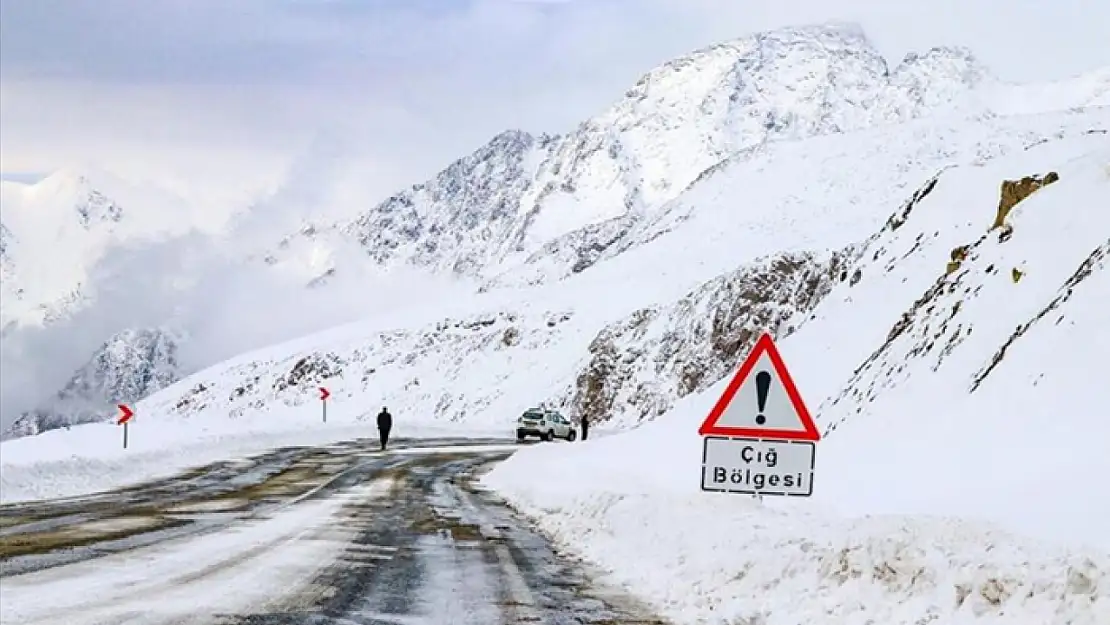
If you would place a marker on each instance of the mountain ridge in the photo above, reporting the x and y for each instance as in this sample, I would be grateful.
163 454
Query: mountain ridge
131 365
618 157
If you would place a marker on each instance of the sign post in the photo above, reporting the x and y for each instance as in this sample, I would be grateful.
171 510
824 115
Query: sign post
759 438
124 417
324 394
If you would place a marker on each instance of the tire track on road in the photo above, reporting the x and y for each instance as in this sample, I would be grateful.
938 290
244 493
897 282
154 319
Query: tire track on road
349 536
461 557
39 535
197 578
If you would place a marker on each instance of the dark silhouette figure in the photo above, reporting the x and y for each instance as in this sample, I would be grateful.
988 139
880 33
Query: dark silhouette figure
385 423
585 427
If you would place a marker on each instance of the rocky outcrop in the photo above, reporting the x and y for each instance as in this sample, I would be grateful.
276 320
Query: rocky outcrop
638 367
128 367
1014 191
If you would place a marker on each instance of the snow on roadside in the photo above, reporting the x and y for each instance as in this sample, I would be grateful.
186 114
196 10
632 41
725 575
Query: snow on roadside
629 503
721 559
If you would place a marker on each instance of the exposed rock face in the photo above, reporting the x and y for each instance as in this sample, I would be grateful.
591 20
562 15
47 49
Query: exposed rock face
1014 191
459 219
639 366
96 207
130 366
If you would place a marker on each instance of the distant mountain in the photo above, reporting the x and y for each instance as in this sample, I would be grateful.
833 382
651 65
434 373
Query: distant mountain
55 231
128 367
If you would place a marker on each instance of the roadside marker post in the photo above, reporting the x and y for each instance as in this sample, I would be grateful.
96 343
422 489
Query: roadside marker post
124 418
324 395
759 438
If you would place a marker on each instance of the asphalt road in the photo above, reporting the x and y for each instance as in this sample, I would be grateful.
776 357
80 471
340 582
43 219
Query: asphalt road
340 534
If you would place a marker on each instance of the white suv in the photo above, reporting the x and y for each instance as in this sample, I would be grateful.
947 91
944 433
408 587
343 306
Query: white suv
546 424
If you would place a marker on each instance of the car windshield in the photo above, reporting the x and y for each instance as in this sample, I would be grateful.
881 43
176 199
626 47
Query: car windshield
532 415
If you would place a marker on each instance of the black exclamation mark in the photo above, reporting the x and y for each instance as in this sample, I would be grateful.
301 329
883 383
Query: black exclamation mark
762 385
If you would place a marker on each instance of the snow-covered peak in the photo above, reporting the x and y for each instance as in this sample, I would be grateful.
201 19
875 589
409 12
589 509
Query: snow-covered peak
940 76
455 220
521 199
129 366
775 70
56 229
60 180
59 198
956 64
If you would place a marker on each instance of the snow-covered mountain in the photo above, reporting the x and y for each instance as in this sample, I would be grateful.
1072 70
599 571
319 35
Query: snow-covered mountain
524 198
130 366
523 209
54 231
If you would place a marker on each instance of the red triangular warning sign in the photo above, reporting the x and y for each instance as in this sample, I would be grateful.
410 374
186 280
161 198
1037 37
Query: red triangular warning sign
761 401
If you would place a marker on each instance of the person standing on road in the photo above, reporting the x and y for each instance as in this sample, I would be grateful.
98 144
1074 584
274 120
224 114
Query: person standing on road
385 423
585 427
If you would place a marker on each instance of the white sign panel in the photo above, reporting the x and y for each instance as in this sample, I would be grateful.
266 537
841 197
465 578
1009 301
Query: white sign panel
757 466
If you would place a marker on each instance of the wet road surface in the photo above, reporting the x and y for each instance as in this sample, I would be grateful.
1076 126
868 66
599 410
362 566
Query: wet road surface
340 534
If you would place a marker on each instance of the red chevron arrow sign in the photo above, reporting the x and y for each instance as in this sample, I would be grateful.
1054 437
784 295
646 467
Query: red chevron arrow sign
324 395
125 414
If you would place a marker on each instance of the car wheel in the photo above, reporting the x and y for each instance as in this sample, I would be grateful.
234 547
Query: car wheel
571 435
549 435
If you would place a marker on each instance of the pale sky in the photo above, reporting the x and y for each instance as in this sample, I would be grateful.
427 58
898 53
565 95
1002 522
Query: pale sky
221 96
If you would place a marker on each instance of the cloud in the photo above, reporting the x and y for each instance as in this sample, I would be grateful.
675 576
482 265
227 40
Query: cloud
201 288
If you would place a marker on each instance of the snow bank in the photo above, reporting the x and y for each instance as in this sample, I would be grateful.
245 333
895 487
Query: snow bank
961 478
722 559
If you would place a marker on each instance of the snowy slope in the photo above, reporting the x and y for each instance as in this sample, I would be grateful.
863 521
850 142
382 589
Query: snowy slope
482 359
962 412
